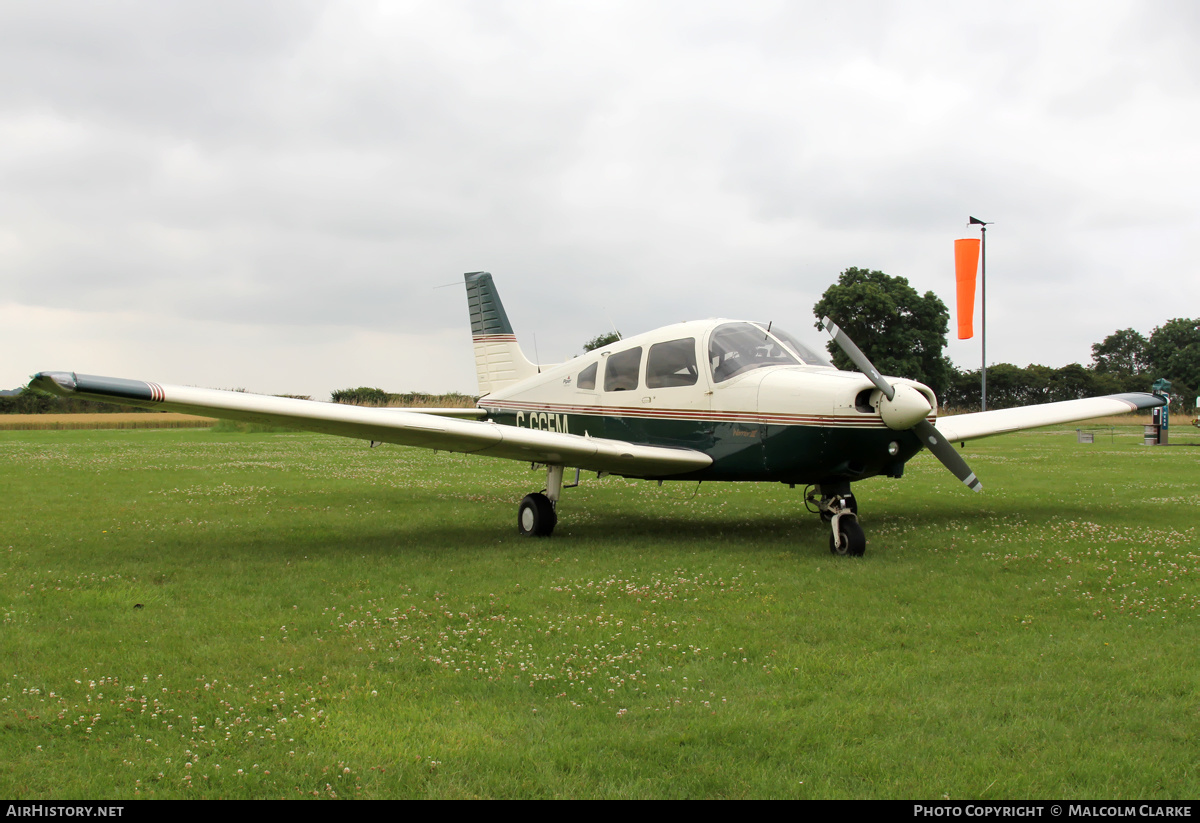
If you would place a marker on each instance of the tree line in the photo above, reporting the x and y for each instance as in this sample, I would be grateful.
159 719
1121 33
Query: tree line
35 401
370 396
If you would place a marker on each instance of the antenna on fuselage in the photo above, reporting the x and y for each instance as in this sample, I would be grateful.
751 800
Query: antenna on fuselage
536 356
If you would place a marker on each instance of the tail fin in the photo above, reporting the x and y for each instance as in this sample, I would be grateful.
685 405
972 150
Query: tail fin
499 361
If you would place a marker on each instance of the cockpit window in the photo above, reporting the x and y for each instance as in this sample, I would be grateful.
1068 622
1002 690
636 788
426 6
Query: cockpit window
672 364
810 356
587 377
621 370
735 348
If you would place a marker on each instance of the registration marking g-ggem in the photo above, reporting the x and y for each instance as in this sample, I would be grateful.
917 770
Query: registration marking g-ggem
547 422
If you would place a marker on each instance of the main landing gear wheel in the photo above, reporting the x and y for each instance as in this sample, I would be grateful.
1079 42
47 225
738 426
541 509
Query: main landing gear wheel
847 538
536 516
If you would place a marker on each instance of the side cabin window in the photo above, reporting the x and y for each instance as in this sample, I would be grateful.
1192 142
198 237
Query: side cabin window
735 348
621 370
587 377
672 364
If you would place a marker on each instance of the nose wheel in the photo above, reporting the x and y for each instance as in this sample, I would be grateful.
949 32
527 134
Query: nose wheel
847 538
840 510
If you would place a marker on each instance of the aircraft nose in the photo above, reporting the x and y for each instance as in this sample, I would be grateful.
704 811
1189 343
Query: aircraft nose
907 408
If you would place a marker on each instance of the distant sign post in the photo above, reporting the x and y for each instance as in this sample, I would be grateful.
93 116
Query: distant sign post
1161 417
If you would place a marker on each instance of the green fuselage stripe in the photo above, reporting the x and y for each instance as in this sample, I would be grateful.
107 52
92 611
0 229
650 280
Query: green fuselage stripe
742 450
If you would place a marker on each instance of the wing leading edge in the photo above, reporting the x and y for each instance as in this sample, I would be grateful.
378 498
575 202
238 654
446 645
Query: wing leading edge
1001 421
433 429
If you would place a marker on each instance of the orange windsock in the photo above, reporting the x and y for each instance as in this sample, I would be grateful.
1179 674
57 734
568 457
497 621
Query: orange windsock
966 264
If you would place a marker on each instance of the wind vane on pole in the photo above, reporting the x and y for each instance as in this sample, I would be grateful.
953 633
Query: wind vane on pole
967 253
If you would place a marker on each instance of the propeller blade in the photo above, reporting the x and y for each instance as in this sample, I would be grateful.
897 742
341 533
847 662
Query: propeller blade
933 440
855 354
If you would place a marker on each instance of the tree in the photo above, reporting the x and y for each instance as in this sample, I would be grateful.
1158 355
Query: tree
1122 353
1072 382
602 340
962 394
1174 353
903 333
1009 385
1174 350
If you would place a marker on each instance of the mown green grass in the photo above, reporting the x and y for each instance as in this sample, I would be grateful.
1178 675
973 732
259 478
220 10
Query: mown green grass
322 619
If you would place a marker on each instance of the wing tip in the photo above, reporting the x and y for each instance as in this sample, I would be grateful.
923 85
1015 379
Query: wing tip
1139 400
61 383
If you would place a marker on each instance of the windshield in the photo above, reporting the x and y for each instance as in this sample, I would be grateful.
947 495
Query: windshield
735 348
809 356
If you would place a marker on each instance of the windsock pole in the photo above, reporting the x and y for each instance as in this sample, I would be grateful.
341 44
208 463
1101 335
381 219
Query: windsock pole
982 306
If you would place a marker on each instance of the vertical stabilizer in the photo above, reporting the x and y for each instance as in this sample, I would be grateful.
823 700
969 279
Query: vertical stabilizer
499 361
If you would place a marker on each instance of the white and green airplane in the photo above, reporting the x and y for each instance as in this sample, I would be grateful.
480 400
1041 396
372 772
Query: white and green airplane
705 400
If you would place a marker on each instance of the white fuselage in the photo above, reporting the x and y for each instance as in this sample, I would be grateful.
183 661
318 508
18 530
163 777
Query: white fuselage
730 388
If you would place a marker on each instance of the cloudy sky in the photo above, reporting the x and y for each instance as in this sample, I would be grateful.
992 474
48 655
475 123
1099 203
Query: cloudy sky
283 196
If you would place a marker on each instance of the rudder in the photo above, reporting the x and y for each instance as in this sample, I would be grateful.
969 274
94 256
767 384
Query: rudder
499 361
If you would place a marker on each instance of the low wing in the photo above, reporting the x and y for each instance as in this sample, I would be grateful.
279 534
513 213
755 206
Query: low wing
984 424
432 429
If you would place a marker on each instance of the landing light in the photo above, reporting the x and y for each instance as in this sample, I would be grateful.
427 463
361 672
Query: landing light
893 448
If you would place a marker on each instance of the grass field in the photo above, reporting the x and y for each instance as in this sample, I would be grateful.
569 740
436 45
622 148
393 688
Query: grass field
190 613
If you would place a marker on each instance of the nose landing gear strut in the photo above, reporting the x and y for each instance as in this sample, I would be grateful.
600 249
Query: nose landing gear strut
839 509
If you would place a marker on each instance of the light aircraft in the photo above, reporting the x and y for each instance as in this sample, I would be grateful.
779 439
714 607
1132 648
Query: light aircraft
705 400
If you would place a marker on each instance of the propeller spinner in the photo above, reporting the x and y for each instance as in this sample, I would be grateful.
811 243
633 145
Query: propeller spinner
903 408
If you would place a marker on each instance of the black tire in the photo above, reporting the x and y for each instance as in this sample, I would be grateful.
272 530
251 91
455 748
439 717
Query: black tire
854 541
536 516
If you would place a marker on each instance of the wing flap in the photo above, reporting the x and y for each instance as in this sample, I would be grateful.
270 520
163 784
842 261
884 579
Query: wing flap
386 425
1001 421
